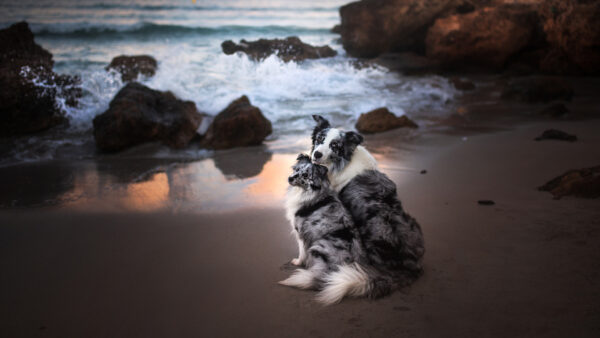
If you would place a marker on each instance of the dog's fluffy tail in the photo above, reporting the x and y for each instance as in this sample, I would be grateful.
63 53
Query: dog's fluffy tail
353 280
301 278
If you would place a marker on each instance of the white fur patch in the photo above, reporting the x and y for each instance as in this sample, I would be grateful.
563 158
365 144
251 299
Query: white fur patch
361 160
349 280
301 278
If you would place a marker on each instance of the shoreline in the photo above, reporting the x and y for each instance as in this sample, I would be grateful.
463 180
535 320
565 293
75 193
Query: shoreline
526 266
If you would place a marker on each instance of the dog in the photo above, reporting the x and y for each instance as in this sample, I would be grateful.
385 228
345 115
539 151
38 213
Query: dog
392 239
329 245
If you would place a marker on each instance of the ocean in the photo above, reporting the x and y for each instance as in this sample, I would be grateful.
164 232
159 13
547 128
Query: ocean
185 38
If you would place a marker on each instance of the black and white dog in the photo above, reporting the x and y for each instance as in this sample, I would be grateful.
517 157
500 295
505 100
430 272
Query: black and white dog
330 247
392 239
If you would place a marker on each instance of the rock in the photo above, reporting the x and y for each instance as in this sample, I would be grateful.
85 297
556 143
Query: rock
538 89
581 183
131 66
31 95
555 110
423 172
554 134
337 29
373 27
572 30
486 38
288 49
380 120
138 114
461 84
486 202
240 124
407 63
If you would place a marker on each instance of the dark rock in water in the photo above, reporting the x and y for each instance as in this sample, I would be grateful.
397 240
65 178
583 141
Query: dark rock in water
487 37
554 134
288 49
374 27
31 94
240 124
138 114
337 29
131 66
555 110
486 202
380 120
461 84
571 29
538 89
580 183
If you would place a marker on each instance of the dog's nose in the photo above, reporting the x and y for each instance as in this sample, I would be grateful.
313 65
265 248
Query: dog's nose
317 155
290 179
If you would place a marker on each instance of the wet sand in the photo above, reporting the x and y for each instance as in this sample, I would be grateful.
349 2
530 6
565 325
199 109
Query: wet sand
526 266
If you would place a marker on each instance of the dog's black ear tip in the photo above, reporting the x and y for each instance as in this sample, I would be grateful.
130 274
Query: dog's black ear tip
302 157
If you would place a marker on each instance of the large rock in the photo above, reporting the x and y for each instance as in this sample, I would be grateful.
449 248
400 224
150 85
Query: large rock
138 114
380 120
538 89
131 67
487 37
240 124
373 27
288 49
572 29
581 183
31 94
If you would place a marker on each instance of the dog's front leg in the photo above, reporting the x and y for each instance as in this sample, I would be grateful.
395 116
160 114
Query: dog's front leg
302 252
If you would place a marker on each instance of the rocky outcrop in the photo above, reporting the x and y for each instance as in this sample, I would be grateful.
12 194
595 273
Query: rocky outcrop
538 89
131 67
138 114
580 183
240 124
288 49
380 120
373 27
487 37
462 84
31 95
555 134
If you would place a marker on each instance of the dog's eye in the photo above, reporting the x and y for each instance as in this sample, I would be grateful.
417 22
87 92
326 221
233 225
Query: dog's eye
334 145
320 139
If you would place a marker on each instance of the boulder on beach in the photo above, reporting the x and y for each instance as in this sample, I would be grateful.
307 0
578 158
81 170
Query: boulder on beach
580 183
555 134
538 89
240 124
380 120
138 114
32 94
486 38
373 27
131 66
288 49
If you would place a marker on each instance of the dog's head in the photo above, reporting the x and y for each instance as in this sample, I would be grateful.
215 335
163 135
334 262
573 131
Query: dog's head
332 147
307 175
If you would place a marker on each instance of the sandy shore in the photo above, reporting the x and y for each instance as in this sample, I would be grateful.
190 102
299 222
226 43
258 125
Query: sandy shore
527 266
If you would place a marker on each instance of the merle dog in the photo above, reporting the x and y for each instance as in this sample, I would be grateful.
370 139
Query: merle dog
392 239
329 244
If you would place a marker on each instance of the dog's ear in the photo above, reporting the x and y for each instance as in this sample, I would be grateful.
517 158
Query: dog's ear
353 138
303 158
322 123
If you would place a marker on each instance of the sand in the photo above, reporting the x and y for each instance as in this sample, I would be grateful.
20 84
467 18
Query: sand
527 266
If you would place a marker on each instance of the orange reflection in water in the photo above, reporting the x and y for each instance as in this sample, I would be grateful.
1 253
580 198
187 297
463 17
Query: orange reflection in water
271 184
148 195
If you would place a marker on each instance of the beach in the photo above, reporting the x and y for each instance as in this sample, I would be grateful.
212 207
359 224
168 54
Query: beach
526 266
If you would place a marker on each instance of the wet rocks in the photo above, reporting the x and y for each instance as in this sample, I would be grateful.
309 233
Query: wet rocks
138 114
32 94
538 89
462 84
373 27
288 49
555 110
580 183
486 37
555 134
380 120
131 67
240 124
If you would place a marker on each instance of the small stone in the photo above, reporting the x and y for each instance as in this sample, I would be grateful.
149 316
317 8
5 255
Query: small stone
486 202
